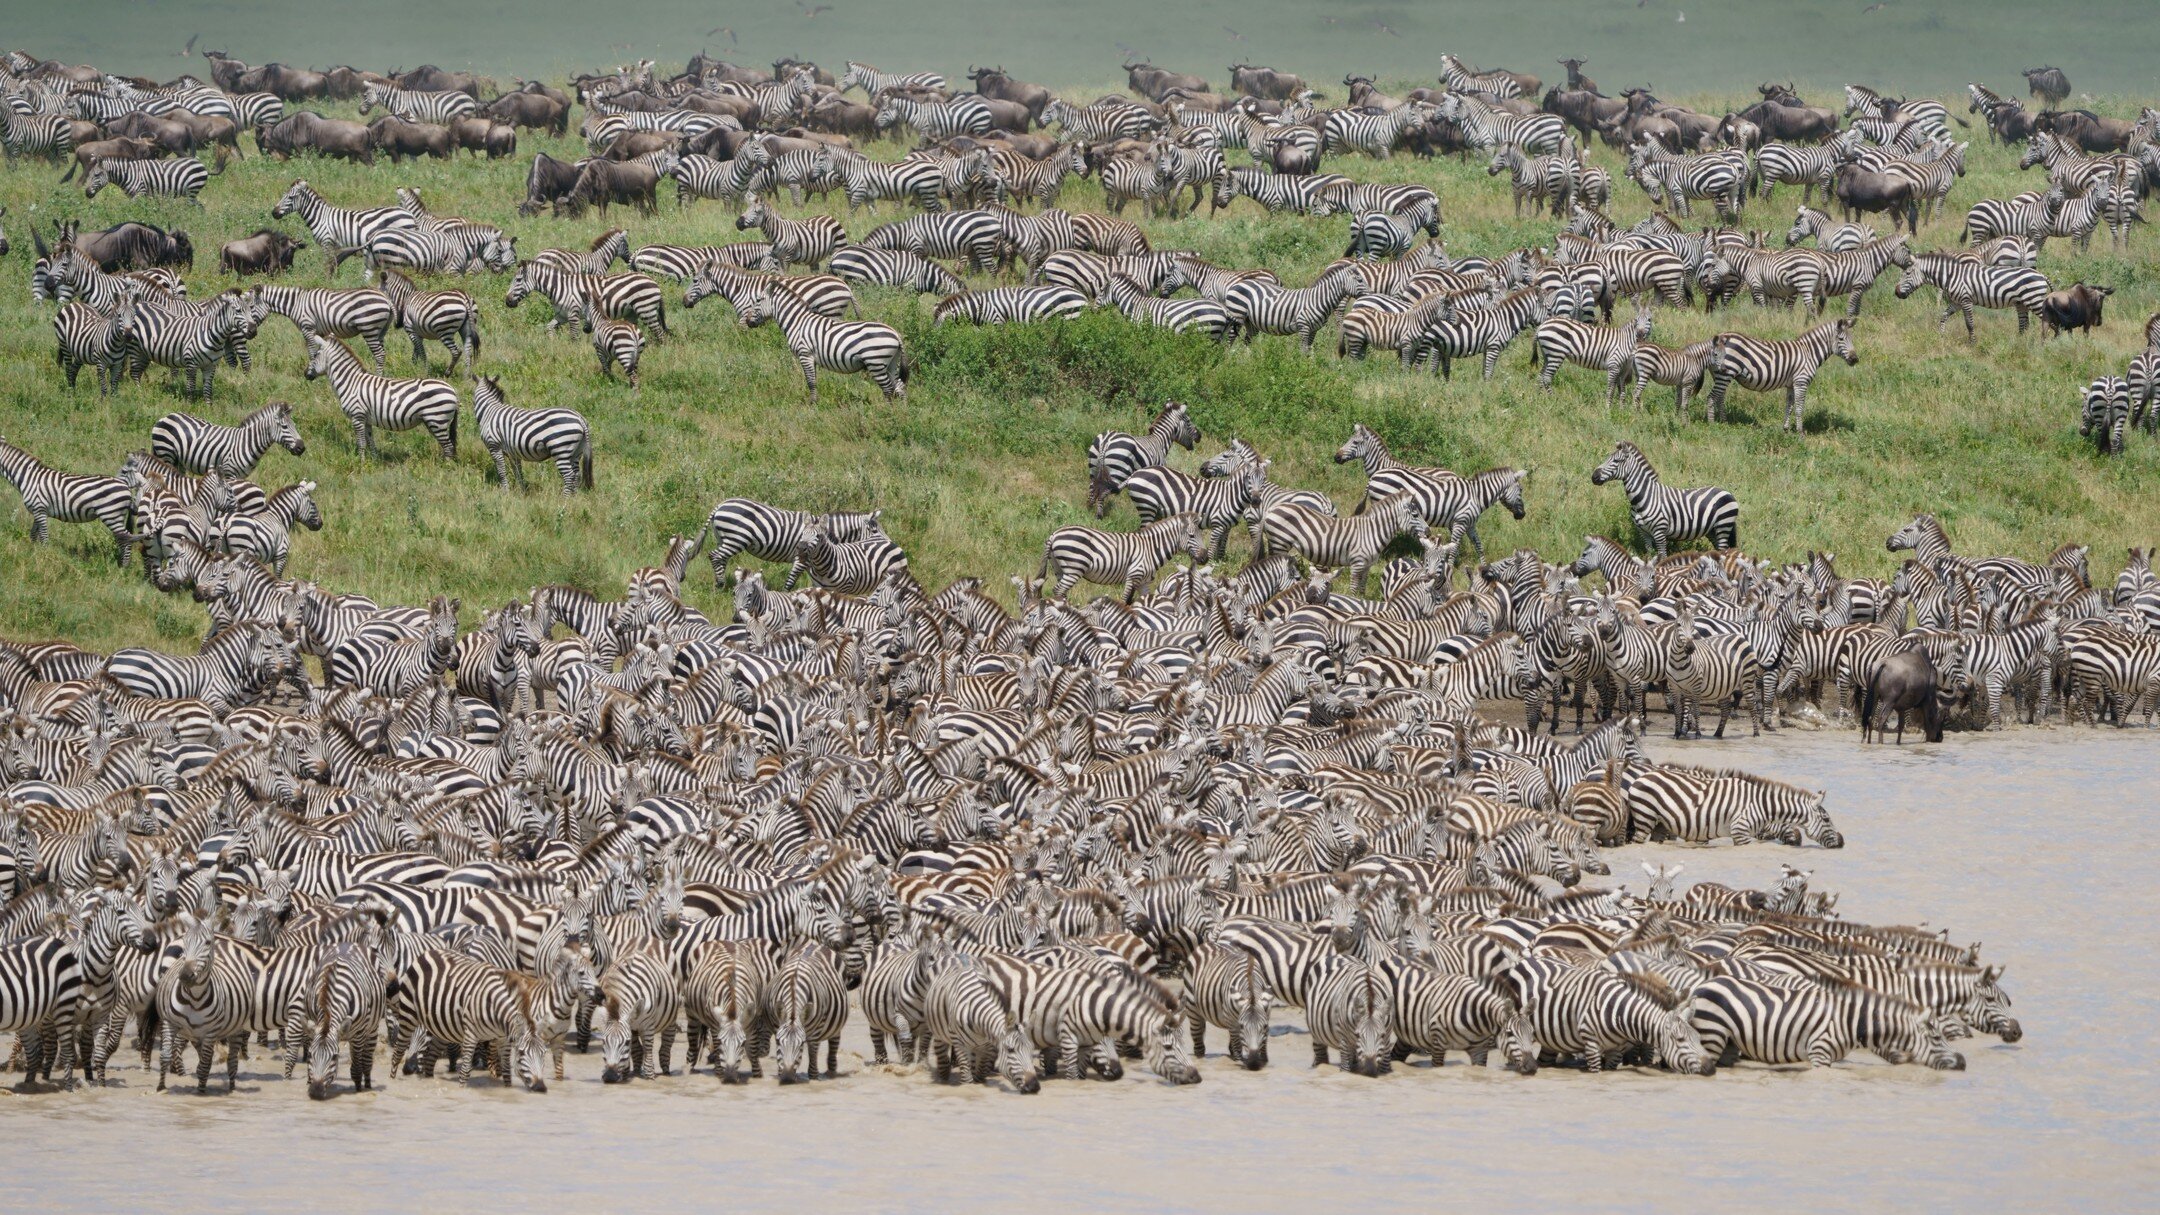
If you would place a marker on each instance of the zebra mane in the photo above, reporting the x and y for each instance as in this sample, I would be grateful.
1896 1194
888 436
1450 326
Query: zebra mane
1655 989
1753 778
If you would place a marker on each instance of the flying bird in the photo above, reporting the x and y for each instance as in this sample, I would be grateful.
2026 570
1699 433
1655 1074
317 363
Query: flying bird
1234 35
1385 28
189 49
1679 16
1127 51
729 30
1872 7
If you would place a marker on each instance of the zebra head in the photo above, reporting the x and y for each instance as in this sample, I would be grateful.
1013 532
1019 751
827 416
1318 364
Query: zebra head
322 1064
295 195
1017 1059
1910 536
1815 824
1624 458
97 180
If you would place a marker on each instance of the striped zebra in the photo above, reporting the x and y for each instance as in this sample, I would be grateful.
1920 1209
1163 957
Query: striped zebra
1011 305
1090 273
1682 368
1964 281
872 82
1314 195
192 445
1373 134
2025 215
1591 1013
341 1007
2104 415
1328 542
50 495
229 670
366 313
937 121
866 183
1548 180
42 991
47 135
394 666
1760 364
851 567
638 1015
1816 1023
974 1027
435 250
1102 123
1485 126
1129 559
172 177
1436 1011
1501 86
974 236
1663 514
1418 204
698 176
1019 179
192 341
1379 236
1258 306
1721 177
1700 805
1160 492
1804 165
1929 115
2067 164
623 297
450 317
682 262
809 1006
826 294
806 242
1478 331
1181 316
2103 664
1114 456
416 106
513 434
338 228
1718 669
463 1004
267 535
2143 378
85 340
772 533
372 402
1127 180
1831 236
1820 276
822 342
1563 339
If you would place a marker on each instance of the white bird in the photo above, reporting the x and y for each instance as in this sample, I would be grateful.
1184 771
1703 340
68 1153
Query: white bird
1679 16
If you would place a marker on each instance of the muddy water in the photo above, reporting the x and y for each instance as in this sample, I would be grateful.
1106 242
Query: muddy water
2035 842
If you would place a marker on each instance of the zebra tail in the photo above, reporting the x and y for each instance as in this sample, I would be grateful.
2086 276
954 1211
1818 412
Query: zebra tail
338 259
585 476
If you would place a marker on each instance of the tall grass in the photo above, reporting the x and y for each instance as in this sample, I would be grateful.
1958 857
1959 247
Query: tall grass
984 455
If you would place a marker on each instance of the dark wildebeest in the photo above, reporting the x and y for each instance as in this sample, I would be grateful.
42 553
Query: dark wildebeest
548 180
2088 130
721 143
484 135
308 131
841 116
1905 681
401 139
602 182
1859 190
1577 82
267 251
345 83
131 246
530 110
2049 84
2013 123
1582 109
1152 82
783 67
176 138
1265 82
427 78
213 130
1791 123
2075 307
121 148
1034 147
632 144
994 82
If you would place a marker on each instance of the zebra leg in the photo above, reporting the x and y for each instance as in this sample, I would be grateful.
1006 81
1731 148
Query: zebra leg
809 371
375 347
1199 1038
234 1051
1966 306
1319 1053
205 1055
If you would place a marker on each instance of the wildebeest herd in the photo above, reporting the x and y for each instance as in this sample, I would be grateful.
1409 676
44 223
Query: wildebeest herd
1048 837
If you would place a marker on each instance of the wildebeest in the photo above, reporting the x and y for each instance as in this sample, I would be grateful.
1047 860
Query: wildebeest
602 182
632 144
1905 681
535 111
87 155
131 246
484 135
1582 109
265 251
2088 130
2077 306
787 65
2049 84
994 82
1791 123
1576 81
427 78
401 139
1152 82
1859 190
841 116
308 131
345 83
548 180
175 138
1265 82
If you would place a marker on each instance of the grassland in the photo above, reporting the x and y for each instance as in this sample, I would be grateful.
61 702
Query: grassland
983 457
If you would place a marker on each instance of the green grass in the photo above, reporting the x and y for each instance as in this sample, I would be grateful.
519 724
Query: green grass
984 456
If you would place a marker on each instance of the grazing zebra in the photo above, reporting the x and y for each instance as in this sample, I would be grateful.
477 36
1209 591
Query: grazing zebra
437 250
461 1004
342 1006
1128 559
1370 133
267 535
1259 306
1114 456
682 262
1759 364
1477 331
698 176
1592 1012
450 317
809 1006
1182 316
49 135
937 121
1816 1023
194 341
366 313
1964 281
1563 339
894 268
805 242
49 495
2104 416
194 446
173 177
826 294
976 236
1418 204
41 991
1379 236
866 182
416 106
1681 368
1328 542
338 228
85 340
1011 305
616 344
1159 492
623 297
1664 514
1314 195
513 434
1090 273
1551 180
817 341
1484 126
371 402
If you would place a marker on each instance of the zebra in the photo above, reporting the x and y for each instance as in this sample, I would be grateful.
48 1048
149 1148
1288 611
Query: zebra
1328 542
826 294
85 340
437 250
808 170
462 1003
1592 1012
851 567
1563 339
1484 126
1099 123
1831 236
371 402
2104 662
1759 364
393 666
937 121
1819 276
682 262
1019 179
817 341
49 495
773 533
1090 273
806 242
194 341
809 1006
450 317
1158 492
343 1005
1964 281
1486 331
866 183
1672 180
1373 134
976 236
513 434
41 992
872 82
2143 383
616 344
1415 203
1011 305
1379 236
172 177
366 313
338 228
1313 195
637 1016
417 106
1700 805
1258 306
1718 669
1806 166
2104 416
699 176
1816 1023
1130 559
2025 215
1501 86
1114 456
232 666
1180 316
974 1026
1550 180
623 297
1664 514
1993 661
48 135
267 535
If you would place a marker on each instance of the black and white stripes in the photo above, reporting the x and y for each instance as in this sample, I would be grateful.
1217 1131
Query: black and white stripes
1664 514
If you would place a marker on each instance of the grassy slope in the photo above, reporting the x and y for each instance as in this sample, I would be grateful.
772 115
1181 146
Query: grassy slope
984 456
